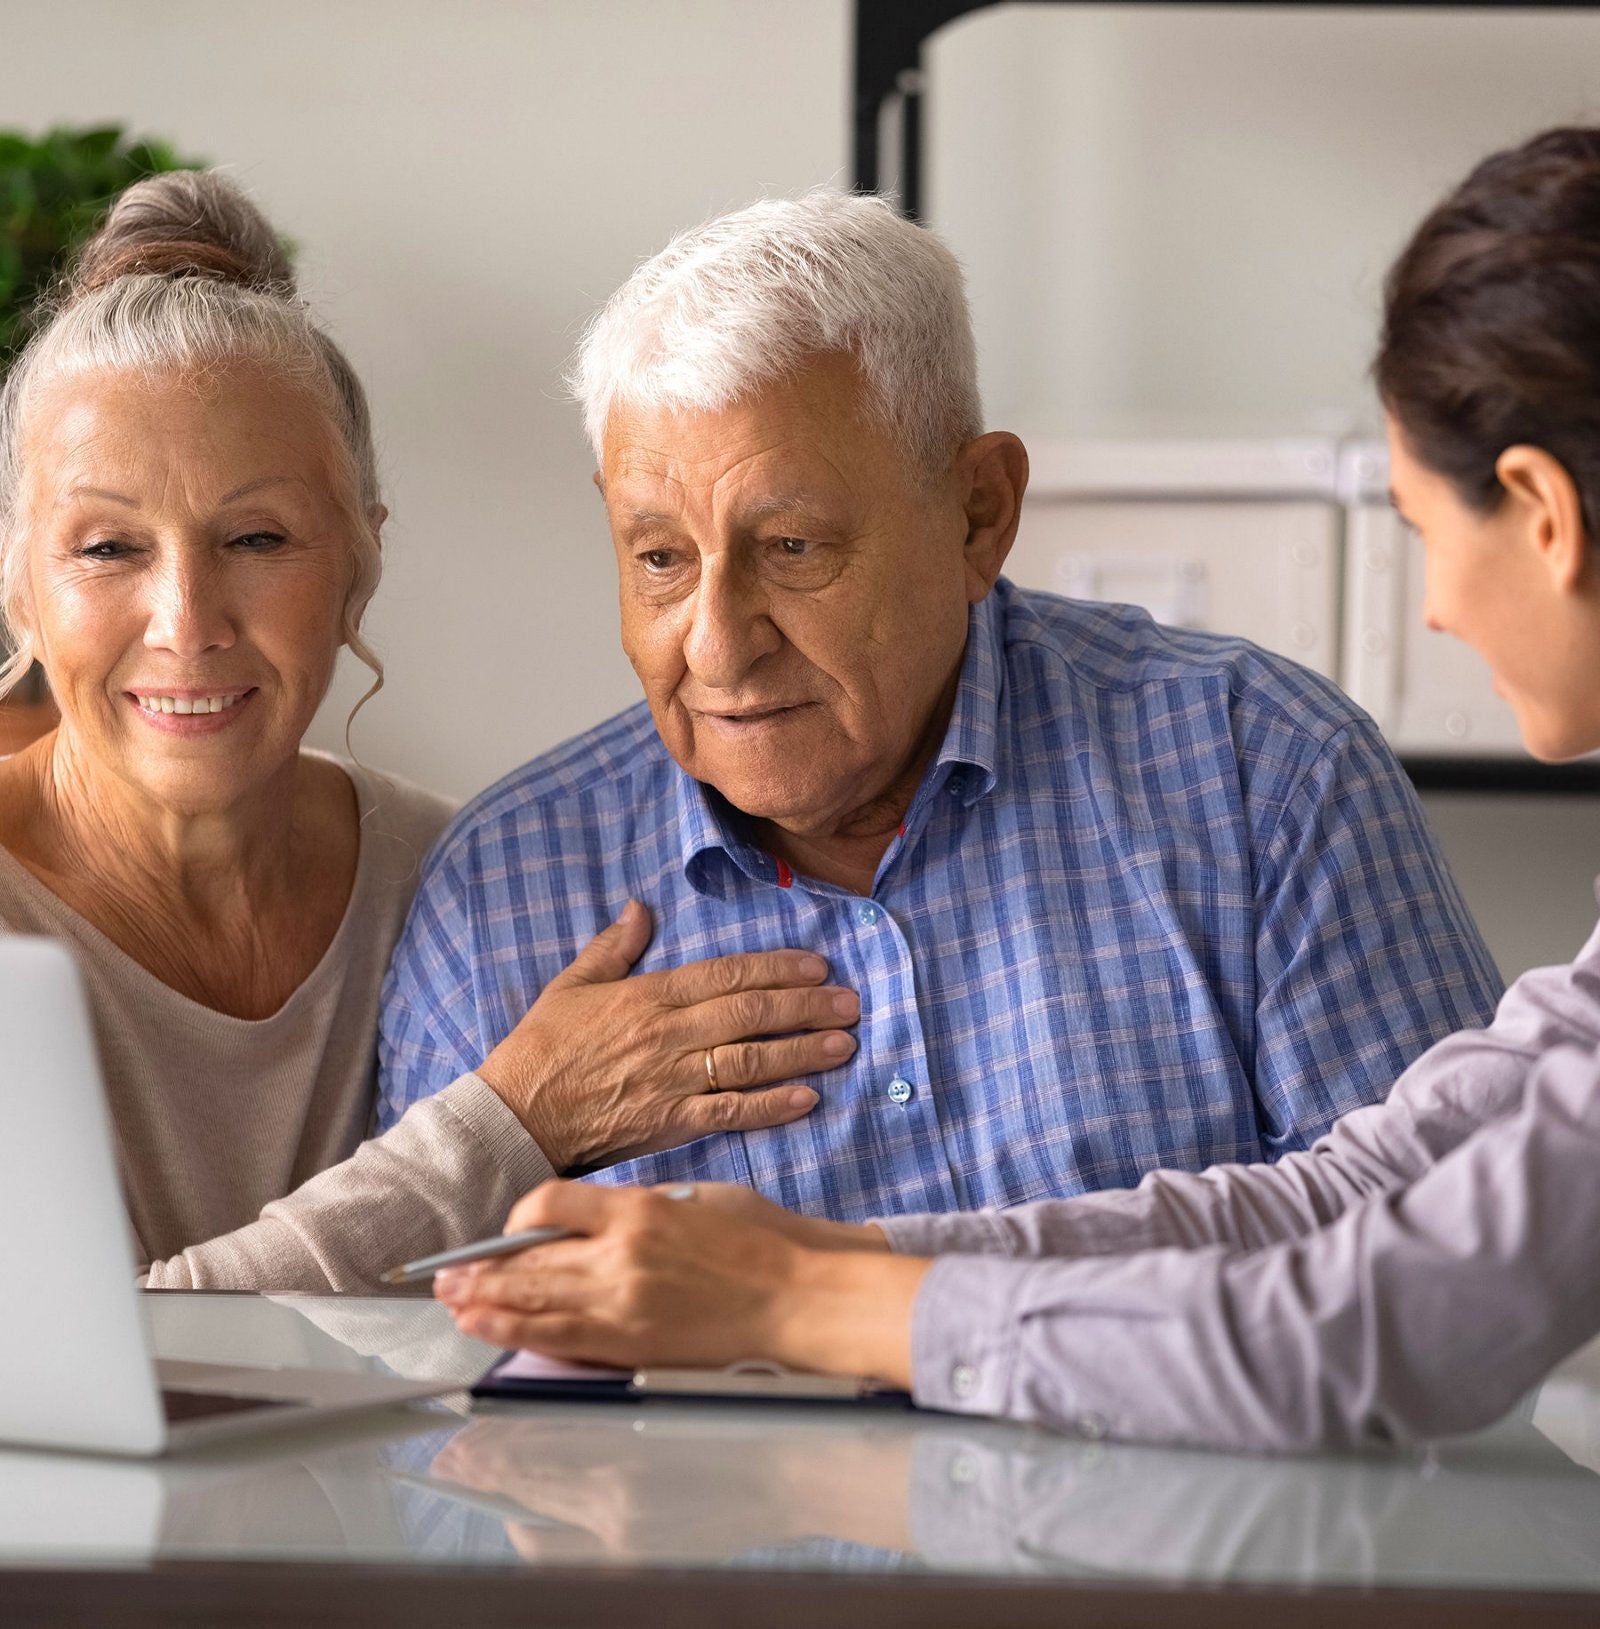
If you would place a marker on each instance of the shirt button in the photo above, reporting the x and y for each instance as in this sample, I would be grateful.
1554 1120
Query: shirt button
963 1380
1093 1426
867 915
900 1090
955 786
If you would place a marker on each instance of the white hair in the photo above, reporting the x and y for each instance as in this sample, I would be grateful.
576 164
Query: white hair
750 296
185 277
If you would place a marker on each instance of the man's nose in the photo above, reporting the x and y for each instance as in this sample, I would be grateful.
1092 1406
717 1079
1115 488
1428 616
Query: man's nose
730 626
189 613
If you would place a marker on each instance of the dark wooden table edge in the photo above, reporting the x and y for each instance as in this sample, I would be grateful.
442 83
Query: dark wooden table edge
252 1595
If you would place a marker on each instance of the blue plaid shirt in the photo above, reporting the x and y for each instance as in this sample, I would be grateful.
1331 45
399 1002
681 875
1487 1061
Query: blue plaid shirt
1162 900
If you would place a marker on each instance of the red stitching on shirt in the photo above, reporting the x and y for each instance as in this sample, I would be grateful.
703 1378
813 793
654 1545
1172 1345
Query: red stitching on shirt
785 875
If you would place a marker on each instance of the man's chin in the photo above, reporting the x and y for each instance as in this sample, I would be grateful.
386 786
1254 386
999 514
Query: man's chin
799 809
792 814
771 778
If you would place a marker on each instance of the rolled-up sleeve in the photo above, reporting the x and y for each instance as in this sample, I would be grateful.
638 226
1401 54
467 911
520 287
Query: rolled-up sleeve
1418 1313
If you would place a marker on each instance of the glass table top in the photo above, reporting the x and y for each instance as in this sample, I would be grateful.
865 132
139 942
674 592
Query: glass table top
698 1485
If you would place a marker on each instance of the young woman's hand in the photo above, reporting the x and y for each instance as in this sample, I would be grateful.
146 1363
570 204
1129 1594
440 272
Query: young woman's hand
650 1279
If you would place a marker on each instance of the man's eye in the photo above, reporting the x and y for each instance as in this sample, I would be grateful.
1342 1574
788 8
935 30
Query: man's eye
657 559
793 547
259 542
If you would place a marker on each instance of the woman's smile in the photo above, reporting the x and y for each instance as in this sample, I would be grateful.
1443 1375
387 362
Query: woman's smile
191 712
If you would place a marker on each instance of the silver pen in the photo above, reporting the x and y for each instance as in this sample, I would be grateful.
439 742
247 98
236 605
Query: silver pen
502 1244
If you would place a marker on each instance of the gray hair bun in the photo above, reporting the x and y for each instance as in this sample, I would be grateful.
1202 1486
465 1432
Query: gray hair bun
187 223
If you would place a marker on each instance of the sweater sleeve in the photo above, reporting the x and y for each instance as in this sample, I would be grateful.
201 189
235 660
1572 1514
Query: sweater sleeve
446 1173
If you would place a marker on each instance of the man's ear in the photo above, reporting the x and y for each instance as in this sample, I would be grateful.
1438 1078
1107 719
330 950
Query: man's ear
993 472
377 519
1547 510
599 482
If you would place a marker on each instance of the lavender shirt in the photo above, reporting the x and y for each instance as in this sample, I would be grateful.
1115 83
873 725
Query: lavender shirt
1408 1276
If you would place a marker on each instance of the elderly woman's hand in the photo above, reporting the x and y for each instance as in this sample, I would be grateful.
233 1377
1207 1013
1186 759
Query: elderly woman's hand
604 1067
651 1279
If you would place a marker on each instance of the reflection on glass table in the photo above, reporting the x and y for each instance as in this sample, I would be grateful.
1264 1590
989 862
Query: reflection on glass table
635 1485
703 1485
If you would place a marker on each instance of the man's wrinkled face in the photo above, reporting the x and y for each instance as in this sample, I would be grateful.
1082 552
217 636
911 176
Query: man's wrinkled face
794 597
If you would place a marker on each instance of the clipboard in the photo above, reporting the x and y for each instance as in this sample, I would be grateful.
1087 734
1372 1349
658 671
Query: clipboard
528 1377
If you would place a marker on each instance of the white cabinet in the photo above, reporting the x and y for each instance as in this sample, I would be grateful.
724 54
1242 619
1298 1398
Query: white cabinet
1234 537
1291 543
1430 693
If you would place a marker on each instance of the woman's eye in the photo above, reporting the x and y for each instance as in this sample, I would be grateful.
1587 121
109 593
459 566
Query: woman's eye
258 542
105 549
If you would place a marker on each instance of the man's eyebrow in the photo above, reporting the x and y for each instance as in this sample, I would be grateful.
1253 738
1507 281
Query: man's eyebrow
786 503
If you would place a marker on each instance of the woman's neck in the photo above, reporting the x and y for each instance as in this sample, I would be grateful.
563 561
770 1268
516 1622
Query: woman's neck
232 907
198 863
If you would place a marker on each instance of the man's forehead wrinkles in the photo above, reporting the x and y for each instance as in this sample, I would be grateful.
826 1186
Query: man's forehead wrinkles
639 489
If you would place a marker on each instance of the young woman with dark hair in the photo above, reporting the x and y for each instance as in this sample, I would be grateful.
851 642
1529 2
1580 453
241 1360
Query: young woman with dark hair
1433 1256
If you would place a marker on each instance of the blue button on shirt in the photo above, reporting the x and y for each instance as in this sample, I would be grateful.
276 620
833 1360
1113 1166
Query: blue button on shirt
1162 900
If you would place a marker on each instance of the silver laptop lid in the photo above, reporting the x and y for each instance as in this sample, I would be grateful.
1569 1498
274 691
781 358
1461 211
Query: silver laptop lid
75 1367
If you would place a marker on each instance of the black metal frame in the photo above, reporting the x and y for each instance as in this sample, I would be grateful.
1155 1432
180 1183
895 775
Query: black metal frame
889 39
890 35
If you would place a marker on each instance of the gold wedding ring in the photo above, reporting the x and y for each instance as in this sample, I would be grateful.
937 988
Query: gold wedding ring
711 1070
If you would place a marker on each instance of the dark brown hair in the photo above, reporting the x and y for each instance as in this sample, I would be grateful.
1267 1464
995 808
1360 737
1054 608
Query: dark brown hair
1491 329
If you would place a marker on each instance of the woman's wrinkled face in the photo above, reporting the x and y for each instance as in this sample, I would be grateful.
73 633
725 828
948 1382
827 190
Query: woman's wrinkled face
187 560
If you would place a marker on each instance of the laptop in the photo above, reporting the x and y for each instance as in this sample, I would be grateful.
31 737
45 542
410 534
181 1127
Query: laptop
76 1366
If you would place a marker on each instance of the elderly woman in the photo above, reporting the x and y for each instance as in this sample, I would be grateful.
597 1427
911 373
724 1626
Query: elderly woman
189 533
1419 1267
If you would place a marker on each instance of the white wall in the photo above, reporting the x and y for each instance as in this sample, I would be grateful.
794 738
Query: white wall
466 182
1181 217
1168 217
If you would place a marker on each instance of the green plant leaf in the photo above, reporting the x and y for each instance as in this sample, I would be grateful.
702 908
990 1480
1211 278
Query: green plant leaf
54 189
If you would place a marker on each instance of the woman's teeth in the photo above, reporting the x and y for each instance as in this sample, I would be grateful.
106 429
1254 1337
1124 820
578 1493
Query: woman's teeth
187 704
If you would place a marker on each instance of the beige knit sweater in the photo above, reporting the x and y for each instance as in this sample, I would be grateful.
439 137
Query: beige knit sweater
241 1141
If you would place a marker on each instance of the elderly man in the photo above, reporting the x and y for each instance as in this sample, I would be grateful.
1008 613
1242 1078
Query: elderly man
1114 896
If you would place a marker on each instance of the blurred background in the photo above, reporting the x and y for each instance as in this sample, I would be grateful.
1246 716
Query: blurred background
1175 223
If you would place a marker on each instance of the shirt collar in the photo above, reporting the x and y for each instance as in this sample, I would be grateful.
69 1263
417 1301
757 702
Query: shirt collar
971 740
708 824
